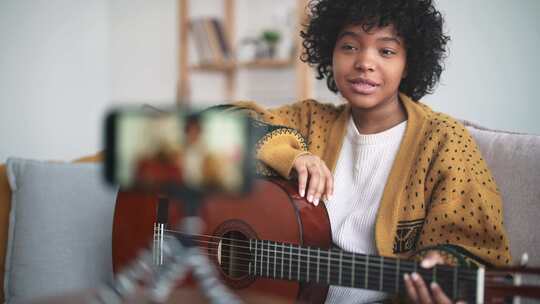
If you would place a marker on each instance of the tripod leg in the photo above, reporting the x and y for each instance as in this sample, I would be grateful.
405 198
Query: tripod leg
208 280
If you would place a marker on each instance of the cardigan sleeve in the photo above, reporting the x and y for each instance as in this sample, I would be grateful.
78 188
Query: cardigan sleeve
283 137
296 115
465 215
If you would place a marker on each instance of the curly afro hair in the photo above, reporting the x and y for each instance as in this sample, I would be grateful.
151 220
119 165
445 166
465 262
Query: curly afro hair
418 22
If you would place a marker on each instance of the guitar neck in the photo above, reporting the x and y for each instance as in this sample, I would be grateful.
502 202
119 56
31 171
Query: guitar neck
335 267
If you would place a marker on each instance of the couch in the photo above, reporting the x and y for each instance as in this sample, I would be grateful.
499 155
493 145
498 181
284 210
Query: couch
514 159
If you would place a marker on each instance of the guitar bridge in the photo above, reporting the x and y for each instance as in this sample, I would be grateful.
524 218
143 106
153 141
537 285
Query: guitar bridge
157 244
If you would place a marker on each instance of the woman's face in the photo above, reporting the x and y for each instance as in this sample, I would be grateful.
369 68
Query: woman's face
368 66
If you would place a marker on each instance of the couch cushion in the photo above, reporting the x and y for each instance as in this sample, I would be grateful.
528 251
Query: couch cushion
60 228
514 160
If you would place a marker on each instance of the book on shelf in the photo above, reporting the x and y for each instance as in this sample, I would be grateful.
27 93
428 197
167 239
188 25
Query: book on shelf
202 44
222 39
211 41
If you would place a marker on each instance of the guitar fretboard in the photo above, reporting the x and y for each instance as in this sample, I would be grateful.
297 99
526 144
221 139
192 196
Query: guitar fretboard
335 267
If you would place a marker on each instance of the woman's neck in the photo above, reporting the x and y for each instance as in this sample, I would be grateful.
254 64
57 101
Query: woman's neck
381 118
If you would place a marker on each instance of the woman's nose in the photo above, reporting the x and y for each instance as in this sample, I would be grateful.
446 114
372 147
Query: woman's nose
364 62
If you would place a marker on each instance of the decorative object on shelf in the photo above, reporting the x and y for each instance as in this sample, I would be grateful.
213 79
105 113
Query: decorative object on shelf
248 49
270 38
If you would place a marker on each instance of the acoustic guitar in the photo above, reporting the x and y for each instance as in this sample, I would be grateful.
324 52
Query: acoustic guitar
274 241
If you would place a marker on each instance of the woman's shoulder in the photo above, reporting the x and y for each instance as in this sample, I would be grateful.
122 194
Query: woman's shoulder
441 123
451 140
454 144
305 103
321 105
432 122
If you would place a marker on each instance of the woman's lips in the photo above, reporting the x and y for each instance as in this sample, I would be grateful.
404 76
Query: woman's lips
363 86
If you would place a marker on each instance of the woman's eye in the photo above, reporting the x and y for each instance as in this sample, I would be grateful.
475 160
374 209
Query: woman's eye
348 47
387 52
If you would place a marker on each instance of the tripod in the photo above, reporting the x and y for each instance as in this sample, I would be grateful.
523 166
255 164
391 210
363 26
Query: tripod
156 276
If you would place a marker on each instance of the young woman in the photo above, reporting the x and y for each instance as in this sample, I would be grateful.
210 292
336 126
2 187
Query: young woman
397 178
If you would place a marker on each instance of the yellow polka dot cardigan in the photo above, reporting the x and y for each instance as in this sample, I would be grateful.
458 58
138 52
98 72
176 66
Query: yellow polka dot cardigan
439 194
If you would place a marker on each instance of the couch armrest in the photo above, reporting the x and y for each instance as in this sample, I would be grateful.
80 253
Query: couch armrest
5 207
90 159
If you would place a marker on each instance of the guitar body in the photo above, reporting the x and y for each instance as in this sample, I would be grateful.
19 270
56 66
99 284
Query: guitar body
272 211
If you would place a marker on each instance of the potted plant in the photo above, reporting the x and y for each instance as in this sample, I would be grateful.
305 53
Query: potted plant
271 39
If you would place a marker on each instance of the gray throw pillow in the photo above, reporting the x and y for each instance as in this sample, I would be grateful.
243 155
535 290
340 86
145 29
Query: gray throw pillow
60 229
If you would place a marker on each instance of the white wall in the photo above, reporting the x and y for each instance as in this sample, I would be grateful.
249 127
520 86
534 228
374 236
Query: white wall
143 50
64 62
492 72
54 79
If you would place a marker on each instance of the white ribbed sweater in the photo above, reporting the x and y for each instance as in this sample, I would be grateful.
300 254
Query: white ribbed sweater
360 176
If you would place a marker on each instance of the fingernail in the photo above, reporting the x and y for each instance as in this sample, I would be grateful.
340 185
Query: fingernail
302 192
329 197
406 277
310 198
434 285
316 201
415 276
424 264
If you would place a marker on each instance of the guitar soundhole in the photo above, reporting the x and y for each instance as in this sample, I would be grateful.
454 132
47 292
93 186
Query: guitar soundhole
234 255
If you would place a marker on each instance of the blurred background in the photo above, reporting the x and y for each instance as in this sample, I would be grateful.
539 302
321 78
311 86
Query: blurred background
63 63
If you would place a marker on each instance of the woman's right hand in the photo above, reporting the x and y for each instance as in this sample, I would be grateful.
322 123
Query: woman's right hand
313 175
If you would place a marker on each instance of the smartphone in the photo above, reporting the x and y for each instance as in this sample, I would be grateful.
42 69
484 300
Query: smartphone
156 151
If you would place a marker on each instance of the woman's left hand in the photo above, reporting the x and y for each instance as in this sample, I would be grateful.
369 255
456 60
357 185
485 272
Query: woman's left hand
418 291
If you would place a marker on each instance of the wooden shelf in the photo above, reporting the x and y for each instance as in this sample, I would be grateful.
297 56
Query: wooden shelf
304 77
268 64
255 64
214 67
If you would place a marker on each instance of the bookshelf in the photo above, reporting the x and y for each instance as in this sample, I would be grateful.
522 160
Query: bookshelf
229 68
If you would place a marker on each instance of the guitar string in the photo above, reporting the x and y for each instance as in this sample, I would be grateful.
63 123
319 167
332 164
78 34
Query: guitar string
374 280
267 268
387 265
270 262
280 245
298 251
285 246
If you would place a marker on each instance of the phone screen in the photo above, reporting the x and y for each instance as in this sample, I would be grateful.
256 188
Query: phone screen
206 151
